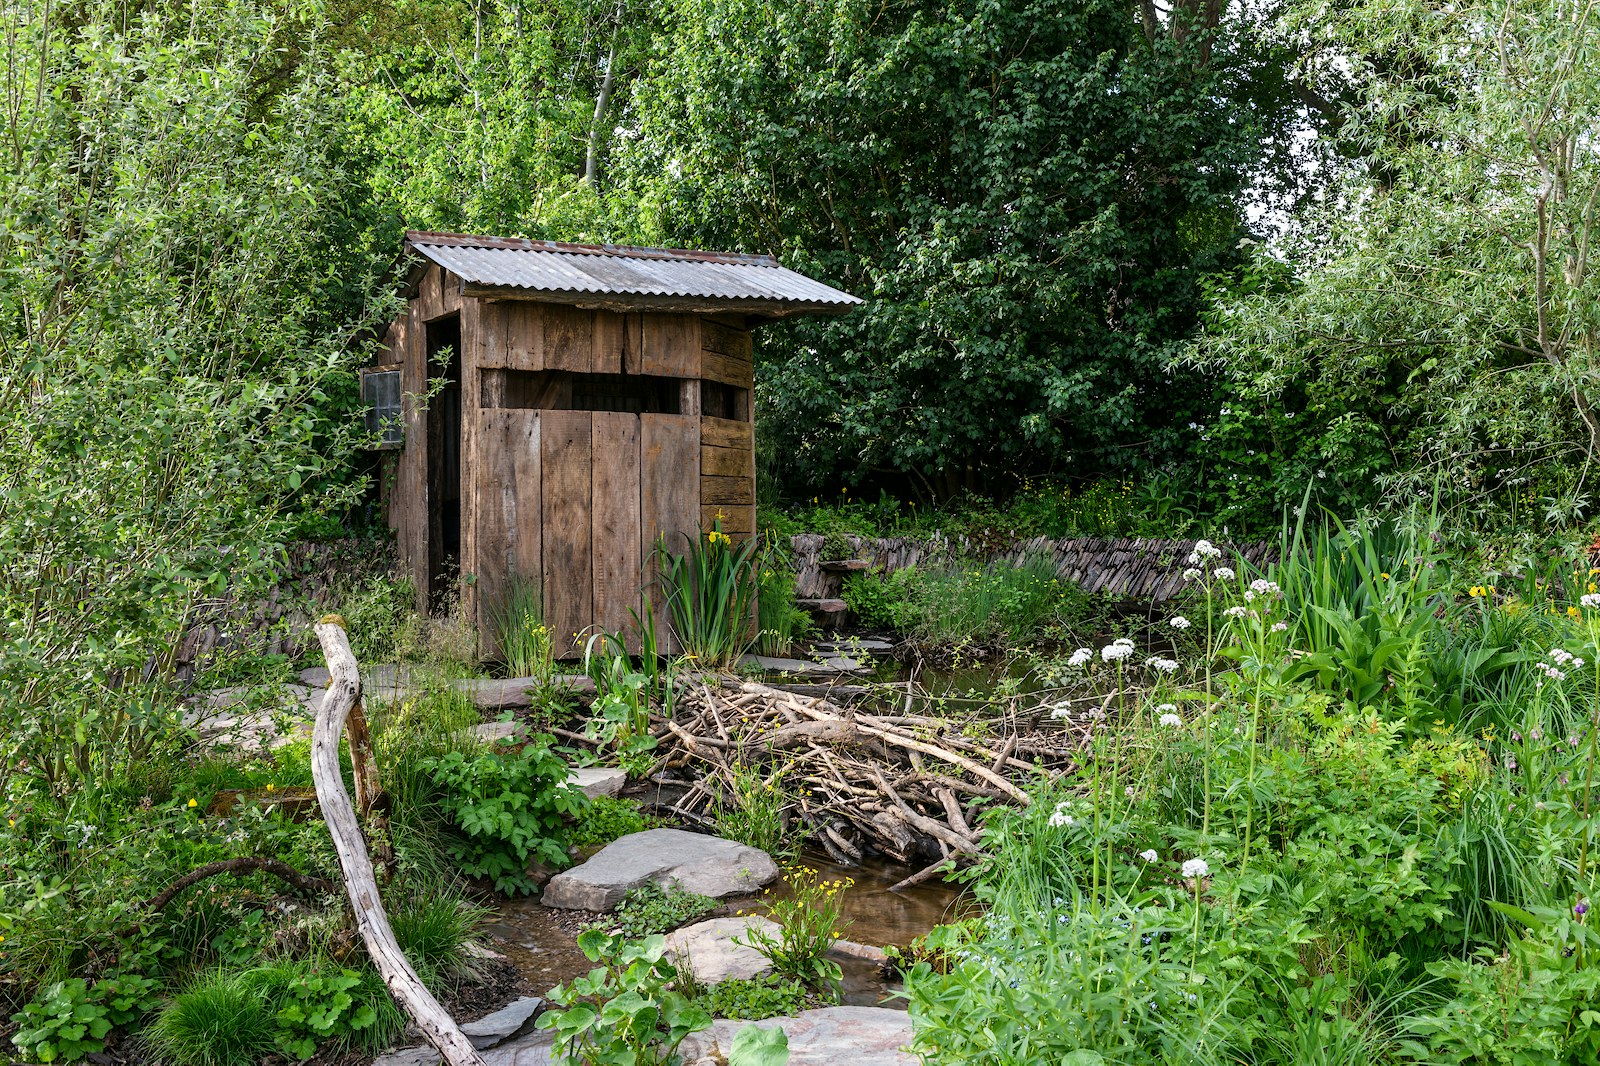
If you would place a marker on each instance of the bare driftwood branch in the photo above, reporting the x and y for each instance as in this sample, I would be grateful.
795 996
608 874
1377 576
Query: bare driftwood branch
344 693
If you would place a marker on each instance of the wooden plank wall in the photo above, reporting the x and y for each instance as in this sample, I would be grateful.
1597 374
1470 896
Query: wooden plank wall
566 444
616 529
669 501
506 488
727 448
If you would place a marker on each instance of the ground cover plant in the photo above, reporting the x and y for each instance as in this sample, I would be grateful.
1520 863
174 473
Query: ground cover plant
1319 851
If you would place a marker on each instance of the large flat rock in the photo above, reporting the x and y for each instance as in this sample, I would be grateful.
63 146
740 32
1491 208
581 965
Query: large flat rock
859 1036
706 865
710 951
829 667
532 1049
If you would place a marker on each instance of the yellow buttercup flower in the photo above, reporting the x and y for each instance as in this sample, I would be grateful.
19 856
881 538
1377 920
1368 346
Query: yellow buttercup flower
194 802
1572 612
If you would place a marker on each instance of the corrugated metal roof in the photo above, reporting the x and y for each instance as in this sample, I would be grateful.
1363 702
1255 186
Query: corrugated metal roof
657 276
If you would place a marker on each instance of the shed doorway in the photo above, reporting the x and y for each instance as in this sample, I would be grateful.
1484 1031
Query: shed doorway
444 460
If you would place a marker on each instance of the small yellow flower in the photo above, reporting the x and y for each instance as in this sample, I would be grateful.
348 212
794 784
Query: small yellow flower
270 786
193 802
1572 612
1384 576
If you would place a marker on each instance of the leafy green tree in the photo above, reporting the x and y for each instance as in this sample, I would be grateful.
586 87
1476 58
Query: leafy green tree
1026 192
1442 328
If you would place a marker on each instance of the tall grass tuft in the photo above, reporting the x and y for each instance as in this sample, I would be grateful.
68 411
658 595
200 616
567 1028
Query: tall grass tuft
221 1019
711 596
521 633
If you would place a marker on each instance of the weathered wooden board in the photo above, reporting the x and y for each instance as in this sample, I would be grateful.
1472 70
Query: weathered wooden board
568 338
725 462
523 348
669 447
727 491
508 493
726 433
566 440
632 343
411 502
615 529
671 346
727 369
722 340
449 292
608 339
737 522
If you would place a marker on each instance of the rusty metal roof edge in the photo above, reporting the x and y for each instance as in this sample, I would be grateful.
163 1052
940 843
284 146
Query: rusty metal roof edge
420 238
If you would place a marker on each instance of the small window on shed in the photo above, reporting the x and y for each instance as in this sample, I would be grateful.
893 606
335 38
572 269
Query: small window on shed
380 391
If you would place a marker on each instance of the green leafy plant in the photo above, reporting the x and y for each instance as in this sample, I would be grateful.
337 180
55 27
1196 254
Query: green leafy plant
605 819
782 621
652 908
754 811
625 1010
507 807
71 1018
808 915
619 717
711 595
764 997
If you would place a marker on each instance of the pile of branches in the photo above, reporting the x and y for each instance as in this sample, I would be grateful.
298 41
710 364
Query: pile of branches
909 785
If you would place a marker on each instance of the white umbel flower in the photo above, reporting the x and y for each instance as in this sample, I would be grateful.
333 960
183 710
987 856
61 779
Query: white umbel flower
1165 666
1195 868
1081 656
1178 621
1225 573
1149 856
1060 817
1170 720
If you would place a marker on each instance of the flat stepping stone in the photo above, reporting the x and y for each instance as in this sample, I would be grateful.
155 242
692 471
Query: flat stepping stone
596 781
514 1019
532 1049
248 720
709 866
710 951
860 1036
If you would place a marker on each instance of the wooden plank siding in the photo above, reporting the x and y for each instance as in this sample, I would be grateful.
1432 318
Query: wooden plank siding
615 527
728 476
670 346
566 443
669 498
507 526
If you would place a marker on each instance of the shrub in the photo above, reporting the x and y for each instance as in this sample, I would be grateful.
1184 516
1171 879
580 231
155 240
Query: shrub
652 908
506 808
381 619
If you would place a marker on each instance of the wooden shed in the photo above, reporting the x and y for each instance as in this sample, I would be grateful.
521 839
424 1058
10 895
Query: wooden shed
584 401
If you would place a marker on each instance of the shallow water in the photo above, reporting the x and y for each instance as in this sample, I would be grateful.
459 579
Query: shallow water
545 954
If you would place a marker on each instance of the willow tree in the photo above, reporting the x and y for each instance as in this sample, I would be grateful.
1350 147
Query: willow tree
1443 327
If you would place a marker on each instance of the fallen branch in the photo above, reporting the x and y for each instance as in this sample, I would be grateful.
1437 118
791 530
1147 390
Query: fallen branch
344 692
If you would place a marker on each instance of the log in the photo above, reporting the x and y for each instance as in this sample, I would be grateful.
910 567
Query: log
361 885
